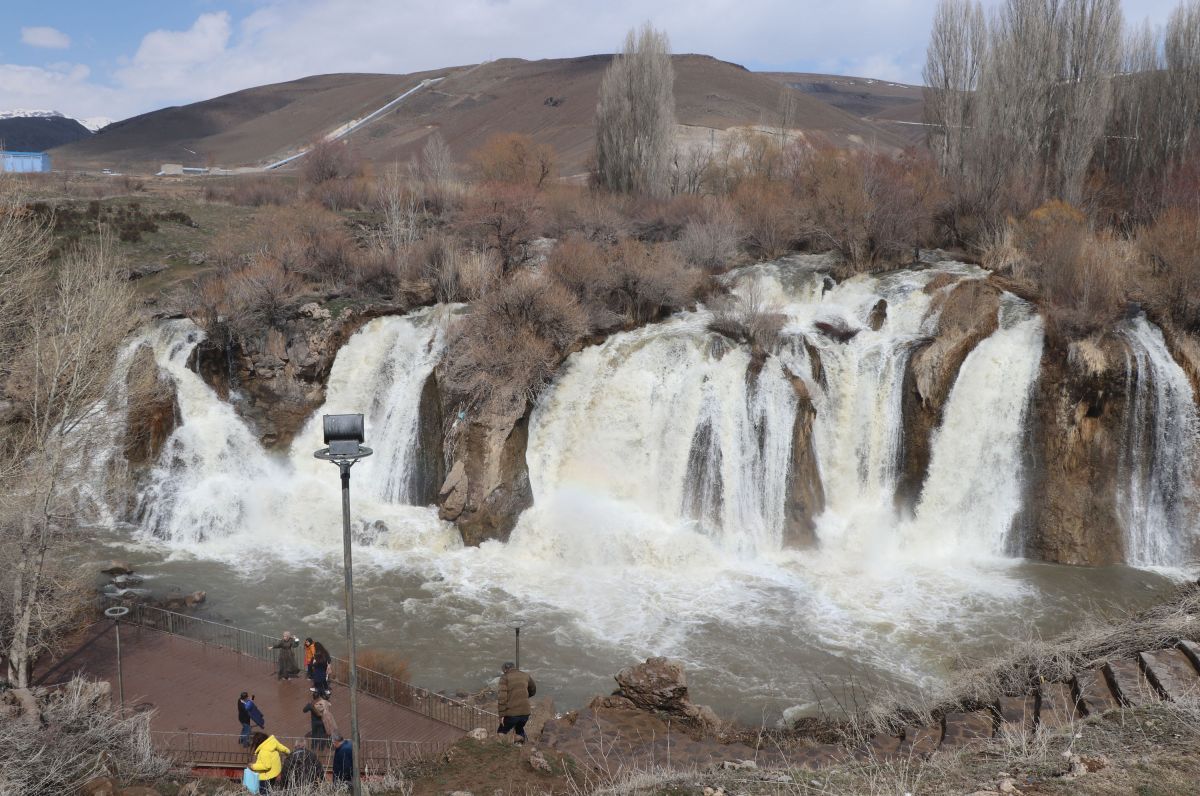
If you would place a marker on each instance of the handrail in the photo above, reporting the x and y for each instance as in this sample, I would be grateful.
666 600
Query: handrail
438 707
211 748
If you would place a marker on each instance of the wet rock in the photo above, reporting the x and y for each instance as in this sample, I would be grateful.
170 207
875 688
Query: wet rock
452 497
806 494
153 410
878 315
836 331
118 568
1076 439
660 686
195 598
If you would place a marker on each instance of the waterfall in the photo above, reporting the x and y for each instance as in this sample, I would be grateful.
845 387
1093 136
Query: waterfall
1156 498
664 428
215 485
973 489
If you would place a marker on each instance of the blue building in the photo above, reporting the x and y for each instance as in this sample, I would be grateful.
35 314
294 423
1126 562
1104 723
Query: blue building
24 162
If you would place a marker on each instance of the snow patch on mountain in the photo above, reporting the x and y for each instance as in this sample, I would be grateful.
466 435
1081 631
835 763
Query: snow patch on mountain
92 123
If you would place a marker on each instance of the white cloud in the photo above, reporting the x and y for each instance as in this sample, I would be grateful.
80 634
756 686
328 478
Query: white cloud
282 41
45 37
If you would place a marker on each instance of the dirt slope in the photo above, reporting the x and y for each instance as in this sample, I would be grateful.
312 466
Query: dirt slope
895 107
552 100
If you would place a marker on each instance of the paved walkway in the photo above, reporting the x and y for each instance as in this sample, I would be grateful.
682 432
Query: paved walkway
193 688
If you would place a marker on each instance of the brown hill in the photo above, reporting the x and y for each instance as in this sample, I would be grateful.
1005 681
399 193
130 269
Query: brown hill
898 108
552 100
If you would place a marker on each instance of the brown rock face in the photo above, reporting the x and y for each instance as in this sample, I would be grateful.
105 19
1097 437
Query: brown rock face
805 495
153 410
1078 416
969 312
488 484
280 373
660 686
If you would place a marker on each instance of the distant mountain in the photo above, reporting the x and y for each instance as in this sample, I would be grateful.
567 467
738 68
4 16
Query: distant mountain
898 108
552 100
37 131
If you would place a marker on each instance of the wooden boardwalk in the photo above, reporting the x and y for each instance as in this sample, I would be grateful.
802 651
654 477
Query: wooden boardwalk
193 688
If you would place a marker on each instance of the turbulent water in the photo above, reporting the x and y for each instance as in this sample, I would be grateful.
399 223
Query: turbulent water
1157 499
659 463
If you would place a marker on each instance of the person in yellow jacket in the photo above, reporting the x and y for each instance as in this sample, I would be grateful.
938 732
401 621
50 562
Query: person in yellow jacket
267 762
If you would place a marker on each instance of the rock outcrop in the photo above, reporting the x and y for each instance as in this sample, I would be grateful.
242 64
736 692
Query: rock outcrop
805 493
153 409
968 311
487 486
1076 438
659 686
276 376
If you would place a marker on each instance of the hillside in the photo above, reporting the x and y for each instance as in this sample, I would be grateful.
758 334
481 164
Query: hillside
38 133
552 100
896 107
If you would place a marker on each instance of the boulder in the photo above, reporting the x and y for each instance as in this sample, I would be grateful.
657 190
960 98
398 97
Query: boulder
538 762
118 568
153 410
479 734
195 598
660 686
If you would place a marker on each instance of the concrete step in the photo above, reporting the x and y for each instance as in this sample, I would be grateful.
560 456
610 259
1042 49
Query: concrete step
1129 683
920 741
1017 714
1171 673
960 729
1056 706
1094 693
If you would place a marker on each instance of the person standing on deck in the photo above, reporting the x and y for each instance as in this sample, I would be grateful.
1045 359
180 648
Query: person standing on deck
309 649
248 712
322 725
320 667
516 687
287 656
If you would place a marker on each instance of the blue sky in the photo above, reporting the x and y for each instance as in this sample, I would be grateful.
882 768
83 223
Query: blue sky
117 59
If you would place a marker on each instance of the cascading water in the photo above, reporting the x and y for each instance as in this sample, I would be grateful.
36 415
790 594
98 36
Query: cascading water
973 489
1157 498
215 486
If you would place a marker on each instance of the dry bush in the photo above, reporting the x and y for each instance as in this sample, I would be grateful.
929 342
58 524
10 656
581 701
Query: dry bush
713 239
769 218
747 318
388 662
373 273
353 193
629 284
261 294
502 219
454 272
1172 244
329 160
508 348
515 159
77 737
310 241
1081 276
594 215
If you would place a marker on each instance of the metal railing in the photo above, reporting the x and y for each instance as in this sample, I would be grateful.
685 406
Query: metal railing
377 684
217 749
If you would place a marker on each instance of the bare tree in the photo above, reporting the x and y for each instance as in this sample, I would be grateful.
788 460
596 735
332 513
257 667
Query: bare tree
953 63
635 117
1090 34
63 359
437 163
402 210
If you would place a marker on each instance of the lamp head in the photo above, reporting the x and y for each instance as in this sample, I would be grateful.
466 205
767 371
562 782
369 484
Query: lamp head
343 434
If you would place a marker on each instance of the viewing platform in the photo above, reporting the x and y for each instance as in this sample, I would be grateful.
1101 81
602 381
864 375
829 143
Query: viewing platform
190 671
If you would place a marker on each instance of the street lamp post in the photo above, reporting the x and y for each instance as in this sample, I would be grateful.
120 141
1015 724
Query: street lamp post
516 625
115 613
344 436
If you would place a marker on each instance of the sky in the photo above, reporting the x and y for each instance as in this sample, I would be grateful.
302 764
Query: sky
119 59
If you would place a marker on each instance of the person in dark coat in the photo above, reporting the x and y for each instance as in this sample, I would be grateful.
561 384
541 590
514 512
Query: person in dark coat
248 713
343 761
287 656
516 687
320 667
302 767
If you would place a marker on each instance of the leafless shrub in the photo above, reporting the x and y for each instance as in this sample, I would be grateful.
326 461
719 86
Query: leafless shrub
746 317
77 737
635 116
253 191
503 219
769 218
515 159
329 160
262 293
1172 244
509 346
712 241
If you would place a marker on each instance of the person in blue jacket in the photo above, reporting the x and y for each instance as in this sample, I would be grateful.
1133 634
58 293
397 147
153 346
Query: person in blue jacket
343 760
248 712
